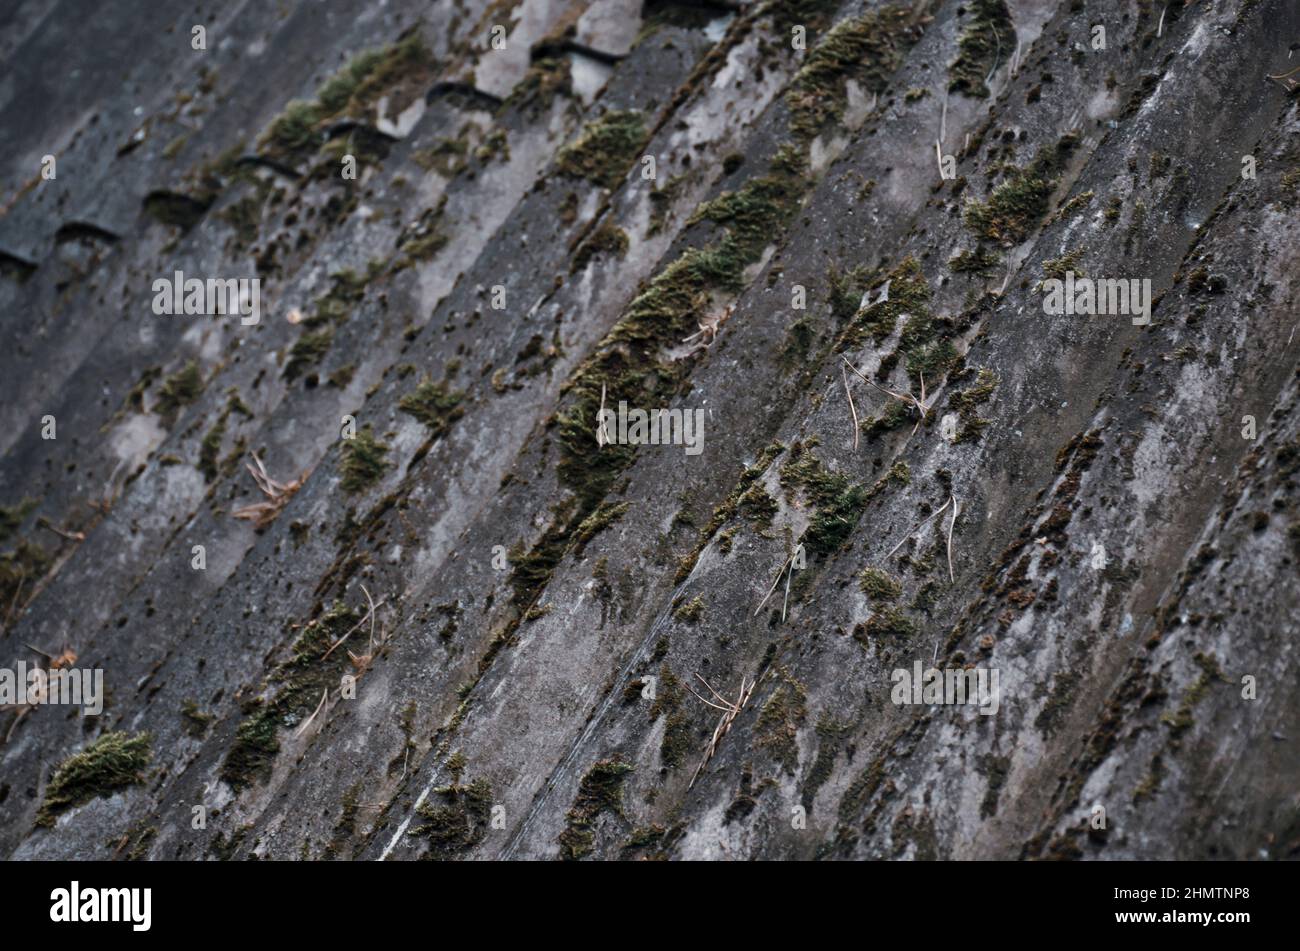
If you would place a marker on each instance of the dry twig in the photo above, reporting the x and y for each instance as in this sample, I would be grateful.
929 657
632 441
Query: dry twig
278 494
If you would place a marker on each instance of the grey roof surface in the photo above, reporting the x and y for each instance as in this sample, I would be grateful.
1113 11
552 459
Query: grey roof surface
450 622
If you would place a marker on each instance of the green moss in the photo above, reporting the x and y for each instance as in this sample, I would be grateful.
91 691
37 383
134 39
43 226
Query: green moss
456 818
889 622
601 790
605 149
878 585
1019 204
909 296
434 404
363 462
980 262
114 761
966 402
347 288
12 516
307 351
1182 720
777 728
20 570
194 721
293 691
1075 205
180 389
756 506
839 502
210 450
669 698
606 514
546 78
1057 267
406 64
864 49
690 612
446 156
988 39
607 239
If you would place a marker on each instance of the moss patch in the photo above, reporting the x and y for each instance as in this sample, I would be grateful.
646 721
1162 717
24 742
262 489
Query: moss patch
456 818
601 790
114 761
180 389
434 404
1020 203
363 462
605 149
607 239
988 40
879 585
864 49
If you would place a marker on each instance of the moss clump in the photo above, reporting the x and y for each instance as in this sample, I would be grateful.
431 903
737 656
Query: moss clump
755 507
347 288
210 450
604 149
601 790
194 721
690 612
778 723
607 239
180 389
1182 720
980 262
401 70
864 49
909 296
606 514
966 401
989 39
112 762
446 157
12 516
1075 205
307 351
363 461
295 689
434 404
630 363
456 818
1017 206
878 585
839 502
1058 267
20 570
546 78
669 697
890 622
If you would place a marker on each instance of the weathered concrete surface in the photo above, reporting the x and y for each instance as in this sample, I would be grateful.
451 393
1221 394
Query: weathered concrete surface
549 609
